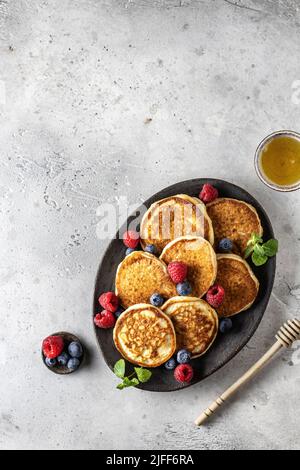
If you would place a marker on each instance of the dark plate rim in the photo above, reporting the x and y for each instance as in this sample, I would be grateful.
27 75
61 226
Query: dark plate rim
271 262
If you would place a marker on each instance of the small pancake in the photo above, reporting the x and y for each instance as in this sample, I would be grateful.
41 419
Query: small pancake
240 284
139 276
200 259
144 335
173 217
196 323
234 219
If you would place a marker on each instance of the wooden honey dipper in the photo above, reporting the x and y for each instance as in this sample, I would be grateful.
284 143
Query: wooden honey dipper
287 334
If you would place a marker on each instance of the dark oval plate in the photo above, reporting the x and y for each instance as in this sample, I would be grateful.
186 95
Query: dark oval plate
244 324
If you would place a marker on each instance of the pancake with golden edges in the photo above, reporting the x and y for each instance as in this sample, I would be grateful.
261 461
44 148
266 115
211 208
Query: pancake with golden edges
195 321
139 276
173 217
200 258
145 336
235 220
239 282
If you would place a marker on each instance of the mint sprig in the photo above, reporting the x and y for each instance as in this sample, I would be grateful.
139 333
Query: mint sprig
142 375
259 251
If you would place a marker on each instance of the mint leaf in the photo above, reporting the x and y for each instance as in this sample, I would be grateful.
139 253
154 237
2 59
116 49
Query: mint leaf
259 259
143 374
127 382
119 368
255 238
248 251
258 250
270 247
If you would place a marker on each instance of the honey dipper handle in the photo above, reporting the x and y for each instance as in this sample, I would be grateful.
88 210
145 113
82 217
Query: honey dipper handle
241 381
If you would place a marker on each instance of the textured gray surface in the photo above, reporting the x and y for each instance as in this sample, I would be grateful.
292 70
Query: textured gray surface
79 83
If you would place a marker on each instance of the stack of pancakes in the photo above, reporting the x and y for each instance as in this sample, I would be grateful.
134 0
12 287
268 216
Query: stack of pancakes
183 229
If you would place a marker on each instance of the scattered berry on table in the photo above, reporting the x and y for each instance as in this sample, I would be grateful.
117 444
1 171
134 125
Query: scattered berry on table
183 356
215 296
184 373
225 245
53 346
119 312
171 364
131 239
129 251
157 300
50 362
75 349
208 193
151 249
177 271
184 288
73 363
225 325
109 301
63 359
105 319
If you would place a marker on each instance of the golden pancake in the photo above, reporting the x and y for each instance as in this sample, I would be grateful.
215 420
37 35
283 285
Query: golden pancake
240 284
139 276
200 258
144 335
235 220
173 217
195 321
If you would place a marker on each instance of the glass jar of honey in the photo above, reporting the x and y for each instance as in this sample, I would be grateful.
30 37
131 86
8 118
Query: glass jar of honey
277 160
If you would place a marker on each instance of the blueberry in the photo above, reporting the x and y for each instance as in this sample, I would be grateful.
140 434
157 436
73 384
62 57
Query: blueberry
225 245
151 249
184 288
50 362
171 364
63 359
157 300
129 251
225 325
183 356
119 312
73 363
75 349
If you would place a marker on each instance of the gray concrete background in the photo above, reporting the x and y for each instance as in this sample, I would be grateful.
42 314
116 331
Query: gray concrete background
79 83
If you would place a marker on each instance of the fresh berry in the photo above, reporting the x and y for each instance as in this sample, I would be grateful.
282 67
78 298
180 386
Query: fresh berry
50 362
109 301
53 346
215 296
184 288
73 363
131 239
225 325
177 271
183 356
75 349
105 319
129 251
183 373
208 193
157 300
170 364
225 245
151 249
119 312
63 359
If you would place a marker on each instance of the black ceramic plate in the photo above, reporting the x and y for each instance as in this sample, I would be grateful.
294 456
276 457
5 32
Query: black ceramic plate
244 325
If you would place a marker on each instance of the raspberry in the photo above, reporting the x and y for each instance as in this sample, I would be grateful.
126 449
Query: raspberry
131 239
105 319
208 193
109 301
215 295
184 373
53 346
177 271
